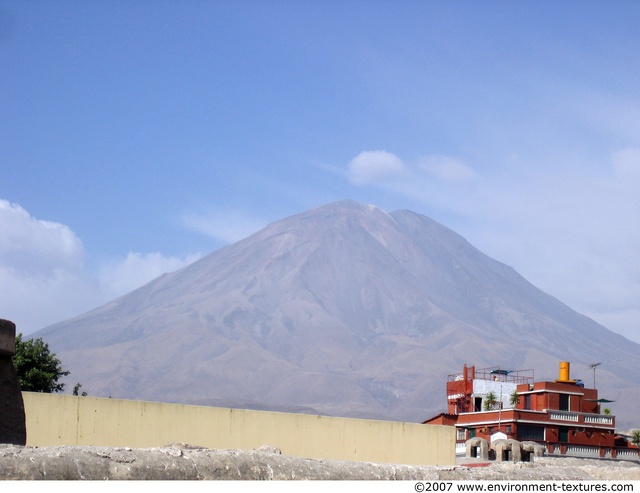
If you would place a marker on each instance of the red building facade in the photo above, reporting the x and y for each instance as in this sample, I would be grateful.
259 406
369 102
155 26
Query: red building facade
562 415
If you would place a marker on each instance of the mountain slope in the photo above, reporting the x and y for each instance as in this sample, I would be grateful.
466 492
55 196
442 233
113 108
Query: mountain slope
345 310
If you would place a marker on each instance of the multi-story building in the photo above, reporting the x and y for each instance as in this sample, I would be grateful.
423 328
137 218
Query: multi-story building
562 415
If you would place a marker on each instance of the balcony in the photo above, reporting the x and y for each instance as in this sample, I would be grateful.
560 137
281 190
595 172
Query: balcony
564 416
601 419
586 418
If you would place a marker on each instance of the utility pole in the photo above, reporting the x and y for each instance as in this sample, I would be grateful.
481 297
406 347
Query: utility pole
593 367
500 411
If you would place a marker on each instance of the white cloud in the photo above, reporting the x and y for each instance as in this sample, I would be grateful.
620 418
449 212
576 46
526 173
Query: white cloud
571 228
446 168
41 273
371 167
43 279
35 301
121 276
438 177
227 226
33 246
574 233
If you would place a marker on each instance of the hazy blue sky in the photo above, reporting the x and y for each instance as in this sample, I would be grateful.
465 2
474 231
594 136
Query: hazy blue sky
137 136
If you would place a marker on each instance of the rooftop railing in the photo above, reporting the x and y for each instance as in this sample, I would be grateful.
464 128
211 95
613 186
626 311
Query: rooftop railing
495 373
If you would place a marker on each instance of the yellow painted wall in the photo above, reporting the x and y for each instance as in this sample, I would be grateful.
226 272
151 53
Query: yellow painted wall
54 419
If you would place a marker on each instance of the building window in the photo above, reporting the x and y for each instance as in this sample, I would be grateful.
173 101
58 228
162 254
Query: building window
563 434
477 404
527 401
508 428
461 434
564 402
530 432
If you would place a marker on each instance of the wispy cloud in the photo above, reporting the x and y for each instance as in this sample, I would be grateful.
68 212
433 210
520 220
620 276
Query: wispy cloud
122 275
572 230
33 246
225 225
370 167
43 277
446 168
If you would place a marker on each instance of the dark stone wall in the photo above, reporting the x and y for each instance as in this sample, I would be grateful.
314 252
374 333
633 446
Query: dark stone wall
12 420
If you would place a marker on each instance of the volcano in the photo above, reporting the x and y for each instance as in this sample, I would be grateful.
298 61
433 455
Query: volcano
343 310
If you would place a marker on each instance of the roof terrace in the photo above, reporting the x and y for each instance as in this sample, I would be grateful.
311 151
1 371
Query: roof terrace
494 373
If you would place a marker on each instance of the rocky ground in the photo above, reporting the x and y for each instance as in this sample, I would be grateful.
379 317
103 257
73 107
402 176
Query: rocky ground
182 462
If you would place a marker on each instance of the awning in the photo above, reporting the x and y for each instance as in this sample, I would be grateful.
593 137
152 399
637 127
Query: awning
500 372
598 400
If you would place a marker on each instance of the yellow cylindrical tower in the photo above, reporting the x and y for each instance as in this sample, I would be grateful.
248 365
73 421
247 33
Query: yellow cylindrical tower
564 372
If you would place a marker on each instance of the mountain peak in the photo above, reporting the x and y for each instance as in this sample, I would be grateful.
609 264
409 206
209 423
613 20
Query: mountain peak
345 208
344 309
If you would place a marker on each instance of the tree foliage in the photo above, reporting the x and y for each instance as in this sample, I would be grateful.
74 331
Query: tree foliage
490 401
38 369
635 437
514 398
76 390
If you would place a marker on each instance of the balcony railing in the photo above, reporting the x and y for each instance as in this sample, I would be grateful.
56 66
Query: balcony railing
564 416
601 419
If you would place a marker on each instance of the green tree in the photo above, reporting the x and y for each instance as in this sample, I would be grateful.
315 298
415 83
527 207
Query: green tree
37 368
635 437
490 401
76 390
514 398
606 411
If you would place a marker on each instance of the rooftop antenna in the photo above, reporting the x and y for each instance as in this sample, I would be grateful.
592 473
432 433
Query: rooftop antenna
593 367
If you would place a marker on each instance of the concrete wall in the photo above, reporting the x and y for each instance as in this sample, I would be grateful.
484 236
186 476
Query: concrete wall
54 419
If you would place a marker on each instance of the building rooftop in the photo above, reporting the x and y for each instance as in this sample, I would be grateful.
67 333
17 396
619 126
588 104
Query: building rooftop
494 373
